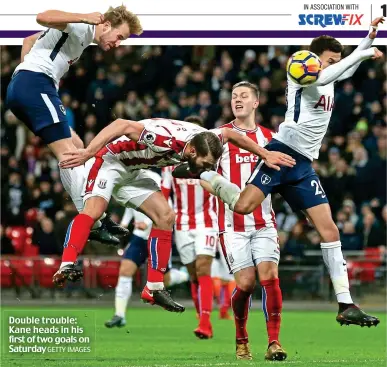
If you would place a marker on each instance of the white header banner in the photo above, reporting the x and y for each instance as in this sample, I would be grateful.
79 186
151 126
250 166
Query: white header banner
209 22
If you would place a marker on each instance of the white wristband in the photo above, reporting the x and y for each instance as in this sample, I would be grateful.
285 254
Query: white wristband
373 28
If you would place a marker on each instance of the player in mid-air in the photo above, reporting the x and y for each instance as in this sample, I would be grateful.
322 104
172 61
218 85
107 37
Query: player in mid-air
33 97
116 161
134 256
250 242
196 237
300 135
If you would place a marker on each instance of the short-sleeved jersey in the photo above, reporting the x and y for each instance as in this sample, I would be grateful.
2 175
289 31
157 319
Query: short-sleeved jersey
195 207
236 165
309 111
161 144
54 51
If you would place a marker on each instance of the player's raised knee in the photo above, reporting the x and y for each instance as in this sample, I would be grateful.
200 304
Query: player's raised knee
330 232
165 219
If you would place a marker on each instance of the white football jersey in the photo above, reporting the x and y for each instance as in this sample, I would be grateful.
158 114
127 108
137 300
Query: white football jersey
309 111
54 51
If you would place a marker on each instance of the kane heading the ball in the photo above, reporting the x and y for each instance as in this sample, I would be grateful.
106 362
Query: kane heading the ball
304 67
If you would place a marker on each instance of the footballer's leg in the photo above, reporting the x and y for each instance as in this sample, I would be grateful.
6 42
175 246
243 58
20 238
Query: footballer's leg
348 312
206 240
227 286
76 238
73 180
194 285
206 295
142 192
159 248
266 255
98 192
134 256
238 255
185 244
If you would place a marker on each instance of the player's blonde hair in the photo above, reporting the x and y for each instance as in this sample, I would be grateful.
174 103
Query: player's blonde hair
245 83
119 15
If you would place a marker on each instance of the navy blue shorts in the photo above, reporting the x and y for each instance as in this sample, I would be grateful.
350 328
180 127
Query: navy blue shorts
299 186
33 99
137 251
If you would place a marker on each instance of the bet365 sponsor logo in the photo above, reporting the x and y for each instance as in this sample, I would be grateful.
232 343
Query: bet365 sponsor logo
246 158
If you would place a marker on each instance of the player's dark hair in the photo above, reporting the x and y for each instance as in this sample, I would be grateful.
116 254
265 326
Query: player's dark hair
325 43
247 84
193 119
207 143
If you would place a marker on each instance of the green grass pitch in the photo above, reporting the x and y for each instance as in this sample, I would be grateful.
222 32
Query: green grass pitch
154 337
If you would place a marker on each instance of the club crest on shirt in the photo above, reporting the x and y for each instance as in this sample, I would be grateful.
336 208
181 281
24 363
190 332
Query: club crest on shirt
102 183
149 137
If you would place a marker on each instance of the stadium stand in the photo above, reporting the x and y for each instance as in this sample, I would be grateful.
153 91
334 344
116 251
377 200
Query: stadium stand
174 82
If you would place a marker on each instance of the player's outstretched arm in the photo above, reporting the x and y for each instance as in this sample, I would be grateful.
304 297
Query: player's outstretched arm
363 45
117 128
332 73
59 19
272 159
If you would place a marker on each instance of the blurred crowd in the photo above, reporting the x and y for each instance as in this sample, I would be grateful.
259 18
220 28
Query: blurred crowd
174 82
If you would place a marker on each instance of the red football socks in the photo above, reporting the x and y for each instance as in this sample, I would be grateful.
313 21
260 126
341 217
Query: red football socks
159 251
76 237
240 302
195 295
206 295
225 298
272 307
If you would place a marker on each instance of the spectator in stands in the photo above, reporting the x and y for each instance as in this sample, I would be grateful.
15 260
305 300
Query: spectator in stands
373 232
296 243
5 243
15 200
44 238
174 81
350 240
365 177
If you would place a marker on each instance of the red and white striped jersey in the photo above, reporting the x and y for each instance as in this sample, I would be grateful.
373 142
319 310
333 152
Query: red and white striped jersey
161 144
236 165
195 208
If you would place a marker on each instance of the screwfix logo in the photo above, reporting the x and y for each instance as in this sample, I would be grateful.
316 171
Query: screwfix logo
324 20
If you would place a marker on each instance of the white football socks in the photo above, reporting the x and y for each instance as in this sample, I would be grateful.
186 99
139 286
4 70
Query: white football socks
177 277
123 294
337 267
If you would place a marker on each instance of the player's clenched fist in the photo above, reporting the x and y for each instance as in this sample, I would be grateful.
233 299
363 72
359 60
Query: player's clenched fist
378 54
93 18
375 23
